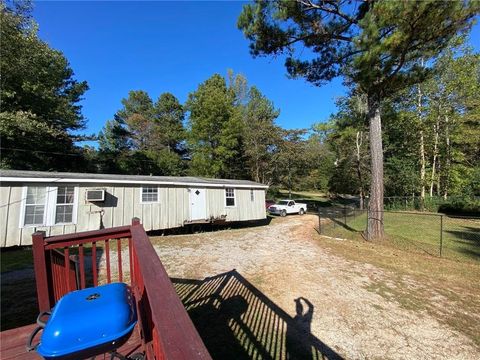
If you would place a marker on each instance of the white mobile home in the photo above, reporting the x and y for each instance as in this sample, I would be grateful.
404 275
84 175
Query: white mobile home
61 203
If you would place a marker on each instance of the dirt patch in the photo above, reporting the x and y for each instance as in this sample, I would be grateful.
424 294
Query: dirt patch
359 309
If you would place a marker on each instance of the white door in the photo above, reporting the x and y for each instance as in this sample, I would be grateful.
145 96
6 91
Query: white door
198 204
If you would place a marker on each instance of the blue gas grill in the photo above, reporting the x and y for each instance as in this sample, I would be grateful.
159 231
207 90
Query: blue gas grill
86 323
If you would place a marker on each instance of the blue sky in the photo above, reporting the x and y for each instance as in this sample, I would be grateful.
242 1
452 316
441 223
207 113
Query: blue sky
171 46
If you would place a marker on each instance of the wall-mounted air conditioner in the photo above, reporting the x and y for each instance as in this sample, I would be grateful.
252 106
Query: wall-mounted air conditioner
94 195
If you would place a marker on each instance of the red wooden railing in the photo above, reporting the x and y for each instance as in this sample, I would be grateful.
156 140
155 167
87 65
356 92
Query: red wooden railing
165 327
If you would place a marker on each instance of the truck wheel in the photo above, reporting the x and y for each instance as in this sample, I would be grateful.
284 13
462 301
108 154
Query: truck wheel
301 212
283 213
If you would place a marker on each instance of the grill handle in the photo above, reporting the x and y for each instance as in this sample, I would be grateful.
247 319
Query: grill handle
41 325
40 322
29 346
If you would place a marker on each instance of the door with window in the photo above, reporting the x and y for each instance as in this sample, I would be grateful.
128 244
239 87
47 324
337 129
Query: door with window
198 204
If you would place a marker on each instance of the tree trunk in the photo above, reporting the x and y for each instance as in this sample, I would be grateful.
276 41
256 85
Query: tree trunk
435 154
446 169
375 230
422 147
422 171
358 143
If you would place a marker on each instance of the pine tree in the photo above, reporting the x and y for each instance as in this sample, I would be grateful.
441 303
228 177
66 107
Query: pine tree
375 44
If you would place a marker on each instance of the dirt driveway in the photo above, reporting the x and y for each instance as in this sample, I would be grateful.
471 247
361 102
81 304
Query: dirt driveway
275 292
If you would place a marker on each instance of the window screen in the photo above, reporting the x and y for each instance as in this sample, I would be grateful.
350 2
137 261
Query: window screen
230 197
64 207
149 194
35 205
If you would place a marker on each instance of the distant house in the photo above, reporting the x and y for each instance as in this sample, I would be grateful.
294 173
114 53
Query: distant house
62 203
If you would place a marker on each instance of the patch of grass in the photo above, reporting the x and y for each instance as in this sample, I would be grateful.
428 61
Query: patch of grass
18 303
312 195
446 289
313 199
418 232
406 299
16 259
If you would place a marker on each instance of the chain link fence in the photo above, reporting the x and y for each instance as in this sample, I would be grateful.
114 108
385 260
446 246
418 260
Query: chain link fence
455 237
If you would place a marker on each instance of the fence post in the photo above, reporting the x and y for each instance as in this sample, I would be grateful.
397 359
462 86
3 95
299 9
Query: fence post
441 234
40 267
345 214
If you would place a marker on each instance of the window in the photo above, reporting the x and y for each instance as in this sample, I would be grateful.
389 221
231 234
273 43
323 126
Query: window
230 197
149 194
252 195
35 205
64 207
49 205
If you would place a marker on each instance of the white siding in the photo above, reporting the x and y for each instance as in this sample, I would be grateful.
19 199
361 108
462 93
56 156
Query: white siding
122 203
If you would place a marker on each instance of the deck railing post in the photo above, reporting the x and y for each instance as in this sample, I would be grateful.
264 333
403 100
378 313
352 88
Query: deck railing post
135 221
40 266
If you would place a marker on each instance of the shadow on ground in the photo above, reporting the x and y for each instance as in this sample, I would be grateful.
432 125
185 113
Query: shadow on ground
467 239
196 228
237 321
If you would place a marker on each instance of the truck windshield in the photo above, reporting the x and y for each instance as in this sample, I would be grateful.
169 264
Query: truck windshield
283 202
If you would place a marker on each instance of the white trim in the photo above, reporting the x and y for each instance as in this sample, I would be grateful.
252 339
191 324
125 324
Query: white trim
107 181
234 198
149 202
50 207
24 204
74 209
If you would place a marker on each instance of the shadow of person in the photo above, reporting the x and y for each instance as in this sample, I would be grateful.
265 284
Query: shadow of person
213 324
298 344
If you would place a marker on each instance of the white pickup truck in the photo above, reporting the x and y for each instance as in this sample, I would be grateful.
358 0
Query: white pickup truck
284 207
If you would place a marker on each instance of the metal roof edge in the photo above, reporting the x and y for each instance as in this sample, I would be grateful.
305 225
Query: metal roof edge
79 179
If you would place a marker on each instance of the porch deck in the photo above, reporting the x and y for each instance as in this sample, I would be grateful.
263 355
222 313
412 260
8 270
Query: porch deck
12 344
164 329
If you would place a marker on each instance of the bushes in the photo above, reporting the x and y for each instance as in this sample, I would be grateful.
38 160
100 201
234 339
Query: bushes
461 206
455 205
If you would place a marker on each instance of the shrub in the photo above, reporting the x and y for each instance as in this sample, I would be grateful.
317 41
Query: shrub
461 206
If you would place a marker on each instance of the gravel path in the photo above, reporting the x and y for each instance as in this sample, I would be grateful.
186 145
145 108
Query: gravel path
285 261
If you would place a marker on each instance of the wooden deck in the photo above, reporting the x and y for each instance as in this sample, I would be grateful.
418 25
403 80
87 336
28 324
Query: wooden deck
12 344
166 330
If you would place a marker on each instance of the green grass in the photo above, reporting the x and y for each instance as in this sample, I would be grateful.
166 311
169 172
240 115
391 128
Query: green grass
19 297
313 199
17 259
419 232
455 281
18 303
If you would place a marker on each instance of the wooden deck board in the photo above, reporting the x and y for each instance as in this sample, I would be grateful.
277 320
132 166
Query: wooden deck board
12 344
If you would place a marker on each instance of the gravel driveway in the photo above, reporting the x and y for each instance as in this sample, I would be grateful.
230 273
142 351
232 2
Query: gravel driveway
285 261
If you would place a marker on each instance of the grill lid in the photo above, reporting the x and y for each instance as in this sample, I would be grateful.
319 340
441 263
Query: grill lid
88 318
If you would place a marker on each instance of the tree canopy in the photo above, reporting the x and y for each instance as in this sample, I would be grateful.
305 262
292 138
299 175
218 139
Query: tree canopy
40 96
375 45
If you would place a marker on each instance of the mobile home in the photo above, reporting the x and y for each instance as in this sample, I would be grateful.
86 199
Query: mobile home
61 203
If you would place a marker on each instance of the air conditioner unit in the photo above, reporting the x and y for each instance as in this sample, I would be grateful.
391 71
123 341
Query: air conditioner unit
95 195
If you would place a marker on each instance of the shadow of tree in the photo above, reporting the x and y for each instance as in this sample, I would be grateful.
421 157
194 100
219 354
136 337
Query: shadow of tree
237 321
468 240
467 233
